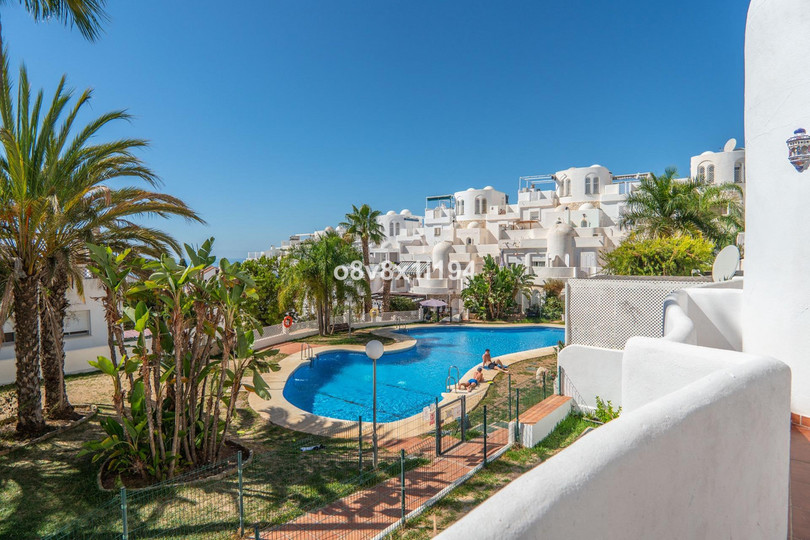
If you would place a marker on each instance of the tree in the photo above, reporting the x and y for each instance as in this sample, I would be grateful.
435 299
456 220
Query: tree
55 168
267 306
669 256
493 292
184 372
661 206
308 277
362 224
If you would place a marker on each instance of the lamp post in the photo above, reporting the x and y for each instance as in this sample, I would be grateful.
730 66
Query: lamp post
374 350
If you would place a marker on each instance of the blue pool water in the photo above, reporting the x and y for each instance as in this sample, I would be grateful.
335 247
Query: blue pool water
338 384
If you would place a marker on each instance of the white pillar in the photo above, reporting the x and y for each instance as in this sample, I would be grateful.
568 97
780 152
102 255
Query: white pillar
776 312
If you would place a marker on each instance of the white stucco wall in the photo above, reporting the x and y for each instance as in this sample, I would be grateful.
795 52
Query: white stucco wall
776 307
708 460
716 315
588 372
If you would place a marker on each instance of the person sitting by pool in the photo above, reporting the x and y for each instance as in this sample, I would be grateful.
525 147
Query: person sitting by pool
473 383
490 364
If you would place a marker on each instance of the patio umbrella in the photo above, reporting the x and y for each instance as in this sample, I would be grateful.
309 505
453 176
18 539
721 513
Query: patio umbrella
432 303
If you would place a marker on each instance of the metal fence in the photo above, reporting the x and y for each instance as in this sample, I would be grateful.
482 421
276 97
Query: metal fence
323 486
606 312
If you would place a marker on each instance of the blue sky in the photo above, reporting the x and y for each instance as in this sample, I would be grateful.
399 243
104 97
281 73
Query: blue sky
273 117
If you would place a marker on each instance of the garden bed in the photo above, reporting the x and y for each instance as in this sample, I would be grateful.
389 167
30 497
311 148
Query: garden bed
227 464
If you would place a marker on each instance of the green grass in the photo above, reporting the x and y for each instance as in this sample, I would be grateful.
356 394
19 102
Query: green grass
488 481
47 486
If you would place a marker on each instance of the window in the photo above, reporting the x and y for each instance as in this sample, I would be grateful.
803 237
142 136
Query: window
390 229
77 323
539 260
437 231
480 205
595 187
701 173
460 207
567 187
739 177
396 229
8 337
710 174
534 216
588 185
469 241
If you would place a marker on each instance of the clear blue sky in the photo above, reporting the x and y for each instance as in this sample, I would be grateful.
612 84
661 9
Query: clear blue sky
273 117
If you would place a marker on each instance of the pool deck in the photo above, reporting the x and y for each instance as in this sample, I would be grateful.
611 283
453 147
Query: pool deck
281 412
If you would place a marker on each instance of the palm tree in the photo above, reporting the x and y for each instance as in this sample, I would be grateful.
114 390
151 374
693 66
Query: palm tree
662 206
53 199
362 224
308 277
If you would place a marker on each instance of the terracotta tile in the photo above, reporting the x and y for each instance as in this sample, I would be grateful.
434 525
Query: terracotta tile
795 418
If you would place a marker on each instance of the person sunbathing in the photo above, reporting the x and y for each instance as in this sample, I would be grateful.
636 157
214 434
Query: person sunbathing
473 383
493 364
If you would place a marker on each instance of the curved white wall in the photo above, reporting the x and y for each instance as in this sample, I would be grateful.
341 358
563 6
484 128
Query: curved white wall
776 297
688 464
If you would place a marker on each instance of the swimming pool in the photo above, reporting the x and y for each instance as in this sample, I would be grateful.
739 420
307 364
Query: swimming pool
338 384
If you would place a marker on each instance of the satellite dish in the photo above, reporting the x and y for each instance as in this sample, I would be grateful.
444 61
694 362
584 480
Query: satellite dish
731 144
726 264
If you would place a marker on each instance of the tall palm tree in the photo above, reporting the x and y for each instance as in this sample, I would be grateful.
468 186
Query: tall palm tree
663 206
362 224
54 197
308 277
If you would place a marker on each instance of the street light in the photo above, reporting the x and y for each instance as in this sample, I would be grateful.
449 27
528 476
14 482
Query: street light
374 350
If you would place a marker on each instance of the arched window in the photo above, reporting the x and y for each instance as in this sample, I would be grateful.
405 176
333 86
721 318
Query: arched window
710 174
587 185
480 205
702 172
591 184
595 185
391 229
396 229
469 241
460 207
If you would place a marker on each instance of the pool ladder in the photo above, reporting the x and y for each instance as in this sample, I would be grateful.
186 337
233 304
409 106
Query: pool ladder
451 381
306 352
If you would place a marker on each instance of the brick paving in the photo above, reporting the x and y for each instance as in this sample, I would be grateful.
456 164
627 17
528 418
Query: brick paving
367 513
799 483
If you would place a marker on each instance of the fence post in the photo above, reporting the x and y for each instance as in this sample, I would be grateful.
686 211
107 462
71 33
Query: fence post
560 373
517 415
124 525
485 434
438 430
509 379
256 534
241 495
463 418
360 441
402 480
544 385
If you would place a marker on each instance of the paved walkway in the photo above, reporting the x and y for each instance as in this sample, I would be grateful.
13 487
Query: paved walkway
367 513
799 483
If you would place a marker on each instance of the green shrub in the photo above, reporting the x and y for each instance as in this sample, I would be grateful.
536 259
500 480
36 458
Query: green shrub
552 309
671 256
401 303
604 411
533 311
